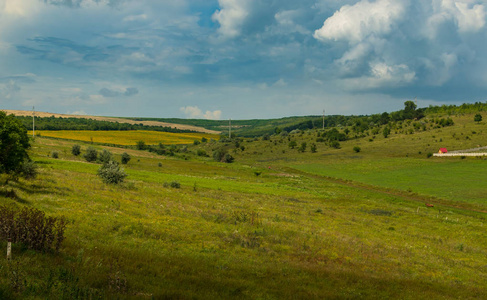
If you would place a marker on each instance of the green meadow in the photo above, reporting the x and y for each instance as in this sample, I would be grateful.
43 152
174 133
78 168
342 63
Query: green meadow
275 224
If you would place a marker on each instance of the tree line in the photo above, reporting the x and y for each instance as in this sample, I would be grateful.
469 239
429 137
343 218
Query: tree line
54 123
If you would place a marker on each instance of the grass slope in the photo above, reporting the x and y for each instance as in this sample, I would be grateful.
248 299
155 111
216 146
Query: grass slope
286 234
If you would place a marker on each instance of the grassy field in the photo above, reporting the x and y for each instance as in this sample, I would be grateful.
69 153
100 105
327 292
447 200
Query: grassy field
276 224
127 137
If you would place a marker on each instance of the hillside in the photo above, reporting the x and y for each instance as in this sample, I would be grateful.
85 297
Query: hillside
282 221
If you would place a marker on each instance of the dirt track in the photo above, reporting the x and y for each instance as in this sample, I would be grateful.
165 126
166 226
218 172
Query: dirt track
111 119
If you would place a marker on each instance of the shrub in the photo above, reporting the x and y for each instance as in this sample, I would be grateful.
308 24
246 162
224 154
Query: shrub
201 152
292 144
227 158
76 150
141 145
478 118
32 228
313 148
335 144
55 154
302 148
356 149
196 142
29 169
204 140
91 154
112 173
429 155
125 158
105 156
159 164
173 184
386 131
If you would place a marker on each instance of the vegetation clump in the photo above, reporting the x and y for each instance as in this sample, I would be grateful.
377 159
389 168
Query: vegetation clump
76 150
14 143
91 154
31 227
125 158
112 173
105 156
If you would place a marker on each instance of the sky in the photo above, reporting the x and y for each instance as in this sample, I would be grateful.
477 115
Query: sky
240 59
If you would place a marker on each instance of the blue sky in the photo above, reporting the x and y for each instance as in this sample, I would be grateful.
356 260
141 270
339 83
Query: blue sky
240 59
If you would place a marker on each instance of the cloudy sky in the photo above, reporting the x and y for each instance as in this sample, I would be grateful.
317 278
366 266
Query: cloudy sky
240 59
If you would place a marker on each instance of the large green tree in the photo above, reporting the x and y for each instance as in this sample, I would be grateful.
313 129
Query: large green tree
14 143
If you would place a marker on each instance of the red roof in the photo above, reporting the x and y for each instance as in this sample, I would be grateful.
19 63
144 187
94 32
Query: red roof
443 150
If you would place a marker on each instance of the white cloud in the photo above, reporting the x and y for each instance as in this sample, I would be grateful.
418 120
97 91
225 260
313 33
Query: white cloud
213 115
231 16
194 112
381 75
131 18
467 15
354 23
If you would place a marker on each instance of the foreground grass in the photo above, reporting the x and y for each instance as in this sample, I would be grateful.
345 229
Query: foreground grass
227 233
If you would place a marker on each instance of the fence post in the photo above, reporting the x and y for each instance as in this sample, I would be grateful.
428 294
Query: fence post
9 249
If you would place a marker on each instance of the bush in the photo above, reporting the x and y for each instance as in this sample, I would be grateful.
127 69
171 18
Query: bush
91 154
204 140
32 228
55 154
302 148
201 152
429 155
111 173
227 158
105 156
141 145
478 118
356 149
173 184
335 144
76 150
196 142
29 170
125 158
313 148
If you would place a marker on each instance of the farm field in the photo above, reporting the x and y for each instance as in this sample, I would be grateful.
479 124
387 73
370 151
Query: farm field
275 224
127 137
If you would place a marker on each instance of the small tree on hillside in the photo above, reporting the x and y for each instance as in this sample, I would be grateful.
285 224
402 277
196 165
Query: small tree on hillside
91 154
386 131
125 158
105 156
112 173
478 118
76 150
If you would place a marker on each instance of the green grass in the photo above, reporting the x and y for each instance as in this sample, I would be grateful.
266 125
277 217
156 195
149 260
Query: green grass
289 233
452 179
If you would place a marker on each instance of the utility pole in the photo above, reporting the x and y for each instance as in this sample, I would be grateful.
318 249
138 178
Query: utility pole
33 121
230 128
323 119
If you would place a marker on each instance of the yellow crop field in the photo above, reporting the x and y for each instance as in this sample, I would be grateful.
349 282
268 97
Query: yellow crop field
127 137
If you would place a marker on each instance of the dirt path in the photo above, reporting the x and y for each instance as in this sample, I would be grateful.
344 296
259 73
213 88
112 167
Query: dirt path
111 119
393 192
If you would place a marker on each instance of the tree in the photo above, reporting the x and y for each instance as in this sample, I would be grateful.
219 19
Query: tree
125 158
76 150
91 154
141 145
292 144
386 131
105 156
478 118
313 148
14 143
302 148
111 173
356 149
